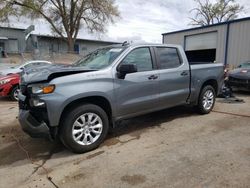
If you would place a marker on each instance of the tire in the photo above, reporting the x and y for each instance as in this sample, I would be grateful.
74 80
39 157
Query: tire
76 135
206 100
13 93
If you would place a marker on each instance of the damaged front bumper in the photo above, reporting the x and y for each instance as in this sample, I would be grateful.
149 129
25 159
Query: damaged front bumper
33 127
30 123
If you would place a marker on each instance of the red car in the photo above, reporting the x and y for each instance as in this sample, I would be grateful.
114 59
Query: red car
9 86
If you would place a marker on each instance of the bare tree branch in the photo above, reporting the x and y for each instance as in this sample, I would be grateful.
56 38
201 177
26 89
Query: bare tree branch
65 17
210 13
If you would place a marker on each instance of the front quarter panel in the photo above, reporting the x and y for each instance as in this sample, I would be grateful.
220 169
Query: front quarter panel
74 87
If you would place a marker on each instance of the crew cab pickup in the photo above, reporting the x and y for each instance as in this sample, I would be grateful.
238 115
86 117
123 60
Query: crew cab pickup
80 102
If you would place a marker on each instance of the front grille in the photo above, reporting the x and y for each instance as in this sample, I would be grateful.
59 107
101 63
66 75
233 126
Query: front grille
23 89
22 105
239 81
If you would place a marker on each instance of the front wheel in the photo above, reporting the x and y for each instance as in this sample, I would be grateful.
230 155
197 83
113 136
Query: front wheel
206 100
14 93
84 128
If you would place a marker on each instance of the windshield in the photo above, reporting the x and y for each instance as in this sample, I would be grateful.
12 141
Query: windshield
17 66
245 65
100 59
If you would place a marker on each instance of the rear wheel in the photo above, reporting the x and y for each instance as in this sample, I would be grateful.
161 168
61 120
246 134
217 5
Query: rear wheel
84 128
14 93
206 100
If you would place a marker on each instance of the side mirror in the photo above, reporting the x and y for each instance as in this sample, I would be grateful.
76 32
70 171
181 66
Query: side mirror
124 69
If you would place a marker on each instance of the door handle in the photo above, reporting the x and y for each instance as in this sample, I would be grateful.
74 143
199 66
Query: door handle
184 73
152 77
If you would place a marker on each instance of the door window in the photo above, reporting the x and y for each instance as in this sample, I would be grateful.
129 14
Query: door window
168 57
141 57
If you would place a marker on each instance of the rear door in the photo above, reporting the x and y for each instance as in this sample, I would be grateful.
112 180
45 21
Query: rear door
174 77
138 92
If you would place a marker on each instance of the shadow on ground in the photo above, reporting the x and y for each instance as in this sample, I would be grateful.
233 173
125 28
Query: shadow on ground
241 93
14 142
41 149
6 99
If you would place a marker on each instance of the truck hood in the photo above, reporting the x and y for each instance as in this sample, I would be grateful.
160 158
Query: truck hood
241 73
48 73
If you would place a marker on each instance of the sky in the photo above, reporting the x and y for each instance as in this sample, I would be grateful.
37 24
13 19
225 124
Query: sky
140 20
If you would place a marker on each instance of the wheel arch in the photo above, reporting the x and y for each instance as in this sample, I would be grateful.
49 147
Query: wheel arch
12 87
213 83
100 101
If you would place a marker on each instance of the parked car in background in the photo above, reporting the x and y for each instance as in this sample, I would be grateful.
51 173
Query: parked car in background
10 78
9 86
79 103
239 78
19 68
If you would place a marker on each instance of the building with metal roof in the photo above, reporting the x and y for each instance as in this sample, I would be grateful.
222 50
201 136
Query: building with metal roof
18 40
226 42
52 44
12 40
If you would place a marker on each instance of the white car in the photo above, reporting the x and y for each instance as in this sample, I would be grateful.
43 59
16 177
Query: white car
19 68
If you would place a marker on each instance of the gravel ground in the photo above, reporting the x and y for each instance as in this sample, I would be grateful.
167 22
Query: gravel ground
170 148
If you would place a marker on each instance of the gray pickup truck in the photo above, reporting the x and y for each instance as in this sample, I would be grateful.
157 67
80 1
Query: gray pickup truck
80 102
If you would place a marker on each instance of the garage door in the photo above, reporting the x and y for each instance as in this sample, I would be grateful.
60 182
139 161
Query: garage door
201 48
13 45
201 41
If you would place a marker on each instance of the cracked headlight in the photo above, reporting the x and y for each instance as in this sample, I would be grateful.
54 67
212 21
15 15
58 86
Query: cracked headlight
42 89
2 82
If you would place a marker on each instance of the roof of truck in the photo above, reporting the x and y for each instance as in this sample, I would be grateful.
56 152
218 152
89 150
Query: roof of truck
143 44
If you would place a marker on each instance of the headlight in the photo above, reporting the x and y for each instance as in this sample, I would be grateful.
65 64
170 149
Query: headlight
37 103
5 81
42 89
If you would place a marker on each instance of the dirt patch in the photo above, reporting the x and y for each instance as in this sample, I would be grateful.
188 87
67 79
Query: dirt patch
111 142
134 179
247 152
75 176
78 161
37 149
7 132
226 124
95 154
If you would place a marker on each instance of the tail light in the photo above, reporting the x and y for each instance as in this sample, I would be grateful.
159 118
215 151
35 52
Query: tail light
226 70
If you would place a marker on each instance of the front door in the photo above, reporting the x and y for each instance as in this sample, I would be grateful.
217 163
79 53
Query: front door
137 93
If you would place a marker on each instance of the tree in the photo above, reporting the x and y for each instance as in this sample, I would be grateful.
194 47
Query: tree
208 13
65 17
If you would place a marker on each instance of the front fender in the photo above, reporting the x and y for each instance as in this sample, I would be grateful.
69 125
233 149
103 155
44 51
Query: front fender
56 103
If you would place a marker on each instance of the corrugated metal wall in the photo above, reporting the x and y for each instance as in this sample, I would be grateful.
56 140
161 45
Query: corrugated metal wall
47 45
239 43
179 38
88 46
13 34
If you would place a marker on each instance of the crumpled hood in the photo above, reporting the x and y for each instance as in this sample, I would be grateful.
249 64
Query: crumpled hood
50 72
243 73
